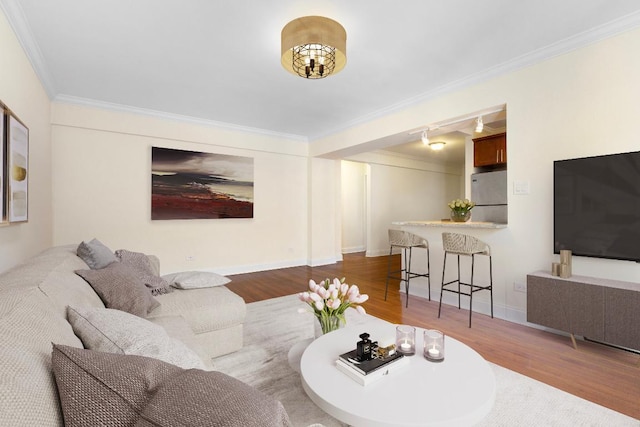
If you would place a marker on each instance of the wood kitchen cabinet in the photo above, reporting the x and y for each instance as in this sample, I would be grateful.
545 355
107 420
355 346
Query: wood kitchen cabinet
490 150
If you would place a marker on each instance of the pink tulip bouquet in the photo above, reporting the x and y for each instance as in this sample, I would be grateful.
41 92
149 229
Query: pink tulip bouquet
330 299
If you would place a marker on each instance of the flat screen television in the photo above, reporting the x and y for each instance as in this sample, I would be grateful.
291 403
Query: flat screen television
596 206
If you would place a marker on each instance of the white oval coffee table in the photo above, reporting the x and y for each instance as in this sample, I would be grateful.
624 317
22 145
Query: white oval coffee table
459 391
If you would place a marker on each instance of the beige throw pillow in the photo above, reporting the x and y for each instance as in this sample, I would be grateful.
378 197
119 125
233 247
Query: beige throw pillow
119 287
140 261
114 331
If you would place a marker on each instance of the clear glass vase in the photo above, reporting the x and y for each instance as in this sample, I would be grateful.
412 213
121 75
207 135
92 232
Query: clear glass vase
460 216
327 323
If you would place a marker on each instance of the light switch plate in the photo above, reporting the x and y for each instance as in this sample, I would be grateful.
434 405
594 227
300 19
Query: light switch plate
520 187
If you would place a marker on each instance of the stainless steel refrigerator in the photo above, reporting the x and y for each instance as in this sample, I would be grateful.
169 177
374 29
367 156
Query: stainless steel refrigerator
489 193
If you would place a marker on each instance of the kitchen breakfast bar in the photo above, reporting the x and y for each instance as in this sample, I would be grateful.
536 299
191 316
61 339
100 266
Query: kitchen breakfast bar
494 234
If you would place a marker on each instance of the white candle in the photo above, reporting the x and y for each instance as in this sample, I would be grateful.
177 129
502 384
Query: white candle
405 346
434 352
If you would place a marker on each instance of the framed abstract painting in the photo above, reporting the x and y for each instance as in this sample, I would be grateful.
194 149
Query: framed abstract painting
196 185
17 173
3 176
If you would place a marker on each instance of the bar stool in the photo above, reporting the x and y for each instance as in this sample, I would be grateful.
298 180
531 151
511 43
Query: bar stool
406 242
462 244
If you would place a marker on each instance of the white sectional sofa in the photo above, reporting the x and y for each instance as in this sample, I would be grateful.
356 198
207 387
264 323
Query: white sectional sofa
34 301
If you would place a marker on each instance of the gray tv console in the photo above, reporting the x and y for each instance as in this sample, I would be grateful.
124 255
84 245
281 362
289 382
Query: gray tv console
601 310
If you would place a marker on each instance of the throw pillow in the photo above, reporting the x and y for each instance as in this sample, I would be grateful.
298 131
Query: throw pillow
195 279
108 389
95 254
115 331
141 263
119 287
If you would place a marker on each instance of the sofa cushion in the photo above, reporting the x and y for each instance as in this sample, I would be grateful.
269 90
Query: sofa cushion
195 279
28 325
141 263
177 327
52 271
98 388
115 331
206 309
95 254
119 287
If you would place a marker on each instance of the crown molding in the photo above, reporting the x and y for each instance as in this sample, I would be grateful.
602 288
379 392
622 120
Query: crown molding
119 108
15 16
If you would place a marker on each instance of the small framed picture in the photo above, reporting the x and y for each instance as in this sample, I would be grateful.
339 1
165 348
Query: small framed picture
17 173
3 175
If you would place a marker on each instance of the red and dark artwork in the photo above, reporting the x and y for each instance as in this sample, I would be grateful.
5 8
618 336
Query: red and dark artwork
195 185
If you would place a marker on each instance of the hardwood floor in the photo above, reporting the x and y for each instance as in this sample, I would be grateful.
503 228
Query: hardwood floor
601 374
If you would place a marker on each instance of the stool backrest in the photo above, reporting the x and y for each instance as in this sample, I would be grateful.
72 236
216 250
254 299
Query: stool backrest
464 244
404 238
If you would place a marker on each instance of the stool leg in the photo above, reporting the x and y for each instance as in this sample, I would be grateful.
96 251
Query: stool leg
444 266
428 274
491 284
473 258
407 273
458 282
386 288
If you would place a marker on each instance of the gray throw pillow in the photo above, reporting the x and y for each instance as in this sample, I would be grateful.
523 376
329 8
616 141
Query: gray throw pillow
97 388
119 287
95 254
115 331
156 284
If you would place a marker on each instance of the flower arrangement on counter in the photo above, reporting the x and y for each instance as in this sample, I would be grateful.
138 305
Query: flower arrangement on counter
329 301
460 205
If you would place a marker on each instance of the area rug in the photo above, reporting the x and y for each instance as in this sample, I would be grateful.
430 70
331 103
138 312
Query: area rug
274 326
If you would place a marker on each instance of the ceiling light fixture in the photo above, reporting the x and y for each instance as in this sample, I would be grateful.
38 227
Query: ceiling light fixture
425 137
313 47
479 124
437 145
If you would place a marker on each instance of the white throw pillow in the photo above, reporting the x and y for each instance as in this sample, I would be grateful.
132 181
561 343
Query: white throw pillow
115 331
195 279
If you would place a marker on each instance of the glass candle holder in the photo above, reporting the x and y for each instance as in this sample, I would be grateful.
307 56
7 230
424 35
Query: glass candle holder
406 340
433 345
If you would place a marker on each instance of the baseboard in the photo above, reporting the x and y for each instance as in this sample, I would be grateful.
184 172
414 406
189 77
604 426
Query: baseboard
323 261
253 268
353 249
377 252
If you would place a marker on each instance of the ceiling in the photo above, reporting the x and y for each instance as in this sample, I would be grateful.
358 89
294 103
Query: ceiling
218 62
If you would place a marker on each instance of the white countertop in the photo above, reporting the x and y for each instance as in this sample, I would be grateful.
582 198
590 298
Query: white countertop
468 224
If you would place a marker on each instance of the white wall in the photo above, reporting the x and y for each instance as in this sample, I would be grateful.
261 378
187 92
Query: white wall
325 234
354 220
401 189
22 92
403 194
102 188
579 104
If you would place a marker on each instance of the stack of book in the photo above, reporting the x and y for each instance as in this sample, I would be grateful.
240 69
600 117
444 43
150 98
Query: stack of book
368 371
